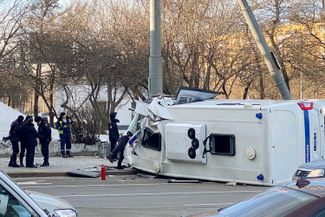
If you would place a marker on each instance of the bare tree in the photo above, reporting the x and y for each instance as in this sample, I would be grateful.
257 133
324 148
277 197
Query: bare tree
36 53
12 14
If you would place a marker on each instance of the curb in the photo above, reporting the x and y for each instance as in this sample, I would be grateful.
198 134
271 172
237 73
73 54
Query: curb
128 171
36 174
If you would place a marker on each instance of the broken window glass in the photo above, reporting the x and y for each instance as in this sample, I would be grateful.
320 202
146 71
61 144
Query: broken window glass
151 140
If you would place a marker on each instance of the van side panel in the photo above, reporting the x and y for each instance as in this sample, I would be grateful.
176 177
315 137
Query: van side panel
287 149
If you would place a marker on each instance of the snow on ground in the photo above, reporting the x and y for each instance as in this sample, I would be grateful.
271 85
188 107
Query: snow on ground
8 115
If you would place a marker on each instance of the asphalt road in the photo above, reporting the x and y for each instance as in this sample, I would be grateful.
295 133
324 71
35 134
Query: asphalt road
133 195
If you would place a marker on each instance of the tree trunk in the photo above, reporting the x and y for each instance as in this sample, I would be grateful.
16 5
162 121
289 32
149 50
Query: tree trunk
246 90
52 112
36 98
109 102
37 88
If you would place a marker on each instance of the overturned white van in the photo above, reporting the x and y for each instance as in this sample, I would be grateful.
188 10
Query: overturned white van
245 141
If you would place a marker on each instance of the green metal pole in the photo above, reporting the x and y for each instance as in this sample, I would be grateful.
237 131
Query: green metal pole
155 82
269 58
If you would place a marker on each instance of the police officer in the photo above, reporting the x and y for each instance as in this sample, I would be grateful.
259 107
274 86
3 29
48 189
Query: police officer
23 140
113 130
14 136
45 131
119 150
63 125
30 136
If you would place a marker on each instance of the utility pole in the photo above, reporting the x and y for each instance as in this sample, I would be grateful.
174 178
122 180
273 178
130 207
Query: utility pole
155 81
269 58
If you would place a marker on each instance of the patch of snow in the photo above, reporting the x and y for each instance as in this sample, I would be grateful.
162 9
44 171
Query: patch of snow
8 115
103 137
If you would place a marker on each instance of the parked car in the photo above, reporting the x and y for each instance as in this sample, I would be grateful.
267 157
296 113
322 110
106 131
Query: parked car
305 197
15 202
313 169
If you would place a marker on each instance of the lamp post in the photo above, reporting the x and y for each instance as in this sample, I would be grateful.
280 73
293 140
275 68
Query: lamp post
269 58
155 81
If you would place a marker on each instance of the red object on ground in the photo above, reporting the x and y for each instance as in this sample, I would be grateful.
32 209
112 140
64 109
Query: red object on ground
103 172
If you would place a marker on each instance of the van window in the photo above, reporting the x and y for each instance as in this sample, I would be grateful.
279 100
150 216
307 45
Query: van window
221 144
151 140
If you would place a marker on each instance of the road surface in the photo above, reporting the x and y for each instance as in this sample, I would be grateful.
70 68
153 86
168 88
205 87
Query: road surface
132 195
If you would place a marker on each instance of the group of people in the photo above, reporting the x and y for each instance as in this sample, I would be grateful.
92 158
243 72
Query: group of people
23 137
118 143
23 131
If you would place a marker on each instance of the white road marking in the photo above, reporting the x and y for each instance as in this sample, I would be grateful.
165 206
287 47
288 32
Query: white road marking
119 185
208 204
34 183
156 194
106 185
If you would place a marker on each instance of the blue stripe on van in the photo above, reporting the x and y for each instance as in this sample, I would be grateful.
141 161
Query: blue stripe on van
307 136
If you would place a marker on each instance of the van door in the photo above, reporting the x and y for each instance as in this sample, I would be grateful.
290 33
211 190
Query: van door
321 118
316 134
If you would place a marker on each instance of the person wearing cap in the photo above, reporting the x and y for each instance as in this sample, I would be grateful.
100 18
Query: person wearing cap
119 150
14 136
63 126
45 131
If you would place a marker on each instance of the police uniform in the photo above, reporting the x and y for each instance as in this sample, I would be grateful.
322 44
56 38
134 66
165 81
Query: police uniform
45 131
63 126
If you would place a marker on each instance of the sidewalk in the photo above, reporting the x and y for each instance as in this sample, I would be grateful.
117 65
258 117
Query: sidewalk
61 166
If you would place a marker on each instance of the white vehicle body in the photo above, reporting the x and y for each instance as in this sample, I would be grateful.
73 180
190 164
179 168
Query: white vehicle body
15 202
254 142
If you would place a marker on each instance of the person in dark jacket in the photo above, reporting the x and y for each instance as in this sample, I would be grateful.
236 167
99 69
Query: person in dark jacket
113 130
23 140
119 150
45 131
30 136
64 127
14 136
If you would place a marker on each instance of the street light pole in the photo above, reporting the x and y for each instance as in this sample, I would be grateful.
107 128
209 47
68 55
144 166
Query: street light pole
269 58
155 81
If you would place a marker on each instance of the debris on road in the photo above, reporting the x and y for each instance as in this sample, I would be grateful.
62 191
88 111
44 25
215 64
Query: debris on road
146 175
84 173
184 181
